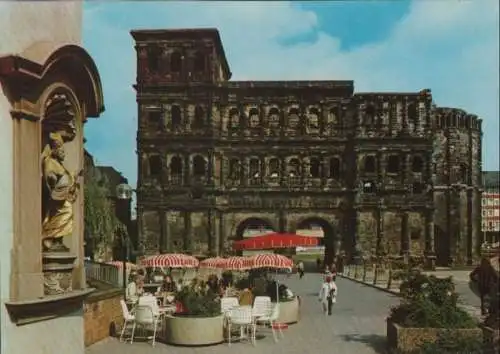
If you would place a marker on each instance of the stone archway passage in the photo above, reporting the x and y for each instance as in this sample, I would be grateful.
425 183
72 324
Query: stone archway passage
329 236
253 224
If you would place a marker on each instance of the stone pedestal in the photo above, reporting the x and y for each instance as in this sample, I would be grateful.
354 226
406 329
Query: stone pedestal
58 272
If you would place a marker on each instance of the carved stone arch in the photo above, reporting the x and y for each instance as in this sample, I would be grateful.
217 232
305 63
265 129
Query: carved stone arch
243 222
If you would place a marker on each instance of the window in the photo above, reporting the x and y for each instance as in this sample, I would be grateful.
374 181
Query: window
393 164
155 166
199 168
274 117
293 168
176 117
234 169
315 168
293 118
370 112
154 59
496 201
253 117
274 168
176 62
413 113
154 117
369 165
418 188
334 168
234 118
199 62
176 166
199 117
254 169
483 212
417 164
369 187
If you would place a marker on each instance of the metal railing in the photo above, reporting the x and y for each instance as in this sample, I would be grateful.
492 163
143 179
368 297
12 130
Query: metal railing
103 272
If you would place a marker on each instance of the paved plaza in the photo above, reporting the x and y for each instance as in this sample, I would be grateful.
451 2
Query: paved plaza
357 326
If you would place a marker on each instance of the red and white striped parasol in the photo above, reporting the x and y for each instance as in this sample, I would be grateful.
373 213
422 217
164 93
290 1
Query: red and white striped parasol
237 263
171 260
213 263
119 264
275 261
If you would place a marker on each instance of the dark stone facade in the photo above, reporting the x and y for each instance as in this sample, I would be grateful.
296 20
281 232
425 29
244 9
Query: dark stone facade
380 172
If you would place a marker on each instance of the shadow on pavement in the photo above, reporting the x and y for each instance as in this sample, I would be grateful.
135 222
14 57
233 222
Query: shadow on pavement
375 341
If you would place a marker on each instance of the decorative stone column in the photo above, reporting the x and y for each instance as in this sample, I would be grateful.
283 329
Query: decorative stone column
429 253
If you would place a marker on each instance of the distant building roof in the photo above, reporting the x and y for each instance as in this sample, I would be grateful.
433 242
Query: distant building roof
112 176
491 180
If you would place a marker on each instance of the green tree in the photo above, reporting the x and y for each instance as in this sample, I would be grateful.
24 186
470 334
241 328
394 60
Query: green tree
100 219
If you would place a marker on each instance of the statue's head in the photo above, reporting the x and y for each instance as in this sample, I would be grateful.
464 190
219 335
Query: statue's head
57 146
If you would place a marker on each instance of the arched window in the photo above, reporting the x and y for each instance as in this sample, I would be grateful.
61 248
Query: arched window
155 166
199 117
293 168
176 117
293 118
154 54
334 168
274 168
464 174
199 166
369 187
315 168
254 169
417 164
176 62
234 169
413 112
370 112
176 166
370 165
274 117
199 62
393 164
234 118
253 117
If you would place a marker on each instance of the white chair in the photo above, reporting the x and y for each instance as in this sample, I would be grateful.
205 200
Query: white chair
271 318
261 306
128 319
241 317
150 301
145 319
227 303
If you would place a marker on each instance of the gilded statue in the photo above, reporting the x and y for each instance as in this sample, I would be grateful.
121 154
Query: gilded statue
60 192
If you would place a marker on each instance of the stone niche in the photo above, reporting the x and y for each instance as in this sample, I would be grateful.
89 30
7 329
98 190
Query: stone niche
50 102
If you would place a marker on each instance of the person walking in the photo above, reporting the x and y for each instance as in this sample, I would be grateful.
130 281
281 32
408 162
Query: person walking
300 269
328 295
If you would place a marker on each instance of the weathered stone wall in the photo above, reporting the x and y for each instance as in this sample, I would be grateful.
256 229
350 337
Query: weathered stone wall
102 314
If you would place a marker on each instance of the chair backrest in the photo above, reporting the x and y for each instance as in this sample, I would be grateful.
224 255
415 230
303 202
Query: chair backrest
151 302
227 303
241 315
125 311
261 306
144 314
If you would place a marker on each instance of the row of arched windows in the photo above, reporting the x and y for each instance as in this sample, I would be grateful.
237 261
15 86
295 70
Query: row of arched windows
175 59
394 164
199 121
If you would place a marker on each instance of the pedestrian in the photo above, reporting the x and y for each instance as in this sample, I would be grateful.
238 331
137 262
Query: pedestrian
328 295
318 264
333 270
300 269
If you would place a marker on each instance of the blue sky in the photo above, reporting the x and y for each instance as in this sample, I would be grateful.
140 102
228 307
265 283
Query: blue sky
449 46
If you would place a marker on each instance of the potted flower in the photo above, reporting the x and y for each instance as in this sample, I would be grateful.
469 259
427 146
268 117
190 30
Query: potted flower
200 322
428 316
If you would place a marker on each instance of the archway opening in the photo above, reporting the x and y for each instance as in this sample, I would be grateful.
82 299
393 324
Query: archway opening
252 227
326 233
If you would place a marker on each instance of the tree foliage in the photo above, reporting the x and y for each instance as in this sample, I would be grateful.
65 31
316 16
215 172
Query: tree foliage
99 214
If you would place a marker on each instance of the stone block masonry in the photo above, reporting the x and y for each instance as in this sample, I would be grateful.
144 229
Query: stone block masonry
102 314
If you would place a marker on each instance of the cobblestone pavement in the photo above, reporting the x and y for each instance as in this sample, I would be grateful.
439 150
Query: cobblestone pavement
357 326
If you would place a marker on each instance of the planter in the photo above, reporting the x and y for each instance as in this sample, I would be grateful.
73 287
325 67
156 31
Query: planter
491 337
407 340
193 331
289 311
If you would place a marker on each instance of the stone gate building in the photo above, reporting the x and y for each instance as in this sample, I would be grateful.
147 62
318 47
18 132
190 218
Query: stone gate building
379 172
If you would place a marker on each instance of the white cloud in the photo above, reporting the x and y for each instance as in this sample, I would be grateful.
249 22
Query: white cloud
449 46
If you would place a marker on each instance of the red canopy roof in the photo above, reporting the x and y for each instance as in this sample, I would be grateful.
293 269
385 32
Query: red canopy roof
275 240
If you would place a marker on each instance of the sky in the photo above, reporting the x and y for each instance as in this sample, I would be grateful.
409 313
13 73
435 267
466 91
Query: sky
449 46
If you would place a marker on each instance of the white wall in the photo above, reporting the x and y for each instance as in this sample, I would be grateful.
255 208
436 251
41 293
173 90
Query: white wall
33 30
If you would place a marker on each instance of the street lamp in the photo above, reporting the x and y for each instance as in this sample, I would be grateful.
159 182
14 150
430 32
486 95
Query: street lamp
124 192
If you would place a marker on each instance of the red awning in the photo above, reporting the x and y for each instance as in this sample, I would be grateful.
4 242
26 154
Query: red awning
275 240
